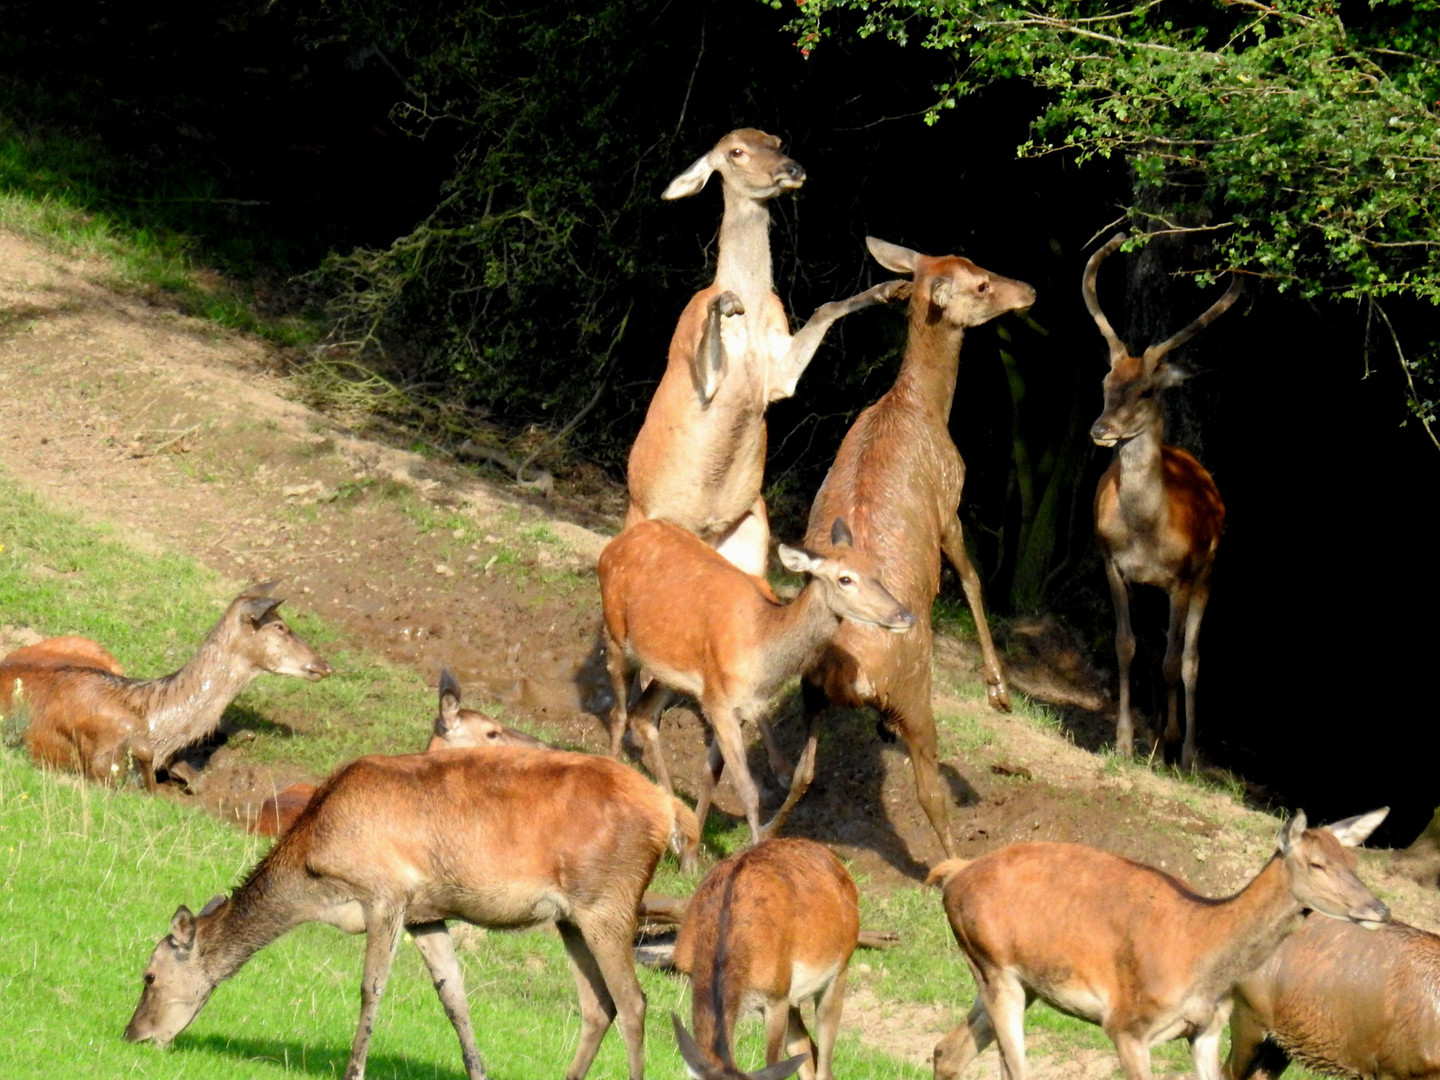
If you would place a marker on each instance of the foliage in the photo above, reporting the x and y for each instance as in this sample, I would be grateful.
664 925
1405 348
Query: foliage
1303 139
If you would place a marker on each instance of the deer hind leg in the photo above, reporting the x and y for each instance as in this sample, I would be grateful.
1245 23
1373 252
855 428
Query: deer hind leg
618 665
597 1007
714 766
963 1043
433 941
1004 1000
782 1039
1176 644
1190 670
815 704
645 717
607 942
952 542
915 721
828 1007
383 924
1124 654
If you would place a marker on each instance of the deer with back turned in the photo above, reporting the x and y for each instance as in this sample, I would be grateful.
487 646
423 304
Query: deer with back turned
1158 513
702 626
1127 946
770 927
86 717
897 480
509 837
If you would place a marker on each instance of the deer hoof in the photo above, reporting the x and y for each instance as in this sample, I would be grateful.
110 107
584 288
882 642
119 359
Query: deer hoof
998 696
727 303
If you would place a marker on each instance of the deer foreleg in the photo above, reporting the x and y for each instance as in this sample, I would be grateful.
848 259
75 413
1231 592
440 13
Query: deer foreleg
1190 670
788 368
1124 654
1176 641
433 941
952 542
747 544
915 723
714 766
805 768
727 724
708 362
382 935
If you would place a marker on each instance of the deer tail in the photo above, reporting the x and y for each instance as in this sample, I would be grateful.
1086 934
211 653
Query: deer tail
943 872
685 832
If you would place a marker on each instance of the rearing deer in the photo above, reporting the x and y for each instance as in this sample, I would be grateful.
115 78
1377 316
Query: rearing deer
1158 513
897 479
700 456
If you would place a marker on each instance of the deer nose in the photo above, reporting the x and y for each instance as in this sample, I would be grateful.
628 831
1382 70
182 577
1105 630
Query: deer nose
318 669
794 171
1100 433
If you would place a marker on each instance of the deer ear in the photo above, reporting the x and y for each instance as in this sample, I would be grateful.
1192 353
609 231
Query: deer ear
1354 831
213 903
796 560
940 290
781 1069
261 588
690 181
1168 376
1291 832
892 256
449 693
840 534
689 1048
257 608
182 928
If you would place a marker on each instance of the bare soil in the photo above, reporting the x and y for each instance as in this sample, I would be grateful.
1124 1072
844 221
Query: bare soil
187 437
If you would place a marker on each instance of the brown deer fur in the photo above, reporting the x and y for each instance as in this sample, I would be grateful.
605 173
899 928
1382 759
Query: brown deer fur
454 727
1343 1001
88 719
700 456
702 626
63 652
771 927
897 480
1158 513
508 837
1127 946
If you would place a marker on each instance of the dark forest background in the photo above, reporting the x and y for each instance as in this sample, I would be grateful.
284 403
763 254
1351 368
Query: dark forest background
468 195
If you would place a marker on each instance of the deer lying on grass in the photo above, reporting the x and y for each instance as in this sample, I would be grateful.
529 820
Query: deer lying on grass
700 456
770 927
454 727
1343 1001
897 479
1158 513
1127 946
511 837
702 626
86 717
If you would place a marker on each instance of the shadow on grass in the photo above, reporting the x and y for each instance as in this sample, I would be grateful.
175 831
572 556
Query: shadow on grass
316 1059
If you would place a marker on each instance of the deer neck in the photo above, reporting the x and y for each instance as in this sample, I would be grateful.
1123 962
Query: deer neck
1251 925
743 265
257 913
794 636
1142 474
931 365
187 705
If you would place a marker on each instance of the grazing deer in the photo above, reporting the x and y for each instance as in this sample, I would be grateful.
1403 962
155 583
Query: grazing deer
1343 1001
897 479
700 456
771 927
454 727
1158 513
702 626
85 717
1127 946
512 837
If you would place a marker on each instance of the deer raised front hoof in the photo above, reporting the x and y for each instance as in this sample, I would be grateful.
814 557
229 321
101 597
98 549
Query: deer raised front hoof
727 303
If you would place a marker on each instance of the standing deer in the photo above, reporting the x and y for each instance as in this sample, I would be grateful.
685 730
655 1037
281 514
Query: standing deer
509 837
897 479
700 456
772 926
1158 513
1343 1001
86 717
1127 946
702 626
454 727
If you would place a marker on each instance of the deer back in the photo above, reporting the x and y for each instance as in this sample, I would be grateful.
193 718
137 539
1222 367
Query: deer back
62 652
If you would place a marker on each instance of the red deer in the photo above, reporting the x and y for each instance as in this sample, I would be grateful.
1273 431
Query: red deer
704 627
454 727
86 718
1127 946
897 479
700 455
772 927
1343 1001
1158 513
511 837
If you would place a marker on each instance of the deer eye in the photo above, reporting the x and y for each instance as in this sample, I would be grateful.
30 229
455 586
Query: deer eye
149 978
737 153
983 288
1147 393
846 580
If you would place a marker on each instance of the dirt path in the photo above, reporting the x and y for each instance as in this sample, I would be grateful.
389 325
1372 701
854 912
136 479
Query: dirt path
182 436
